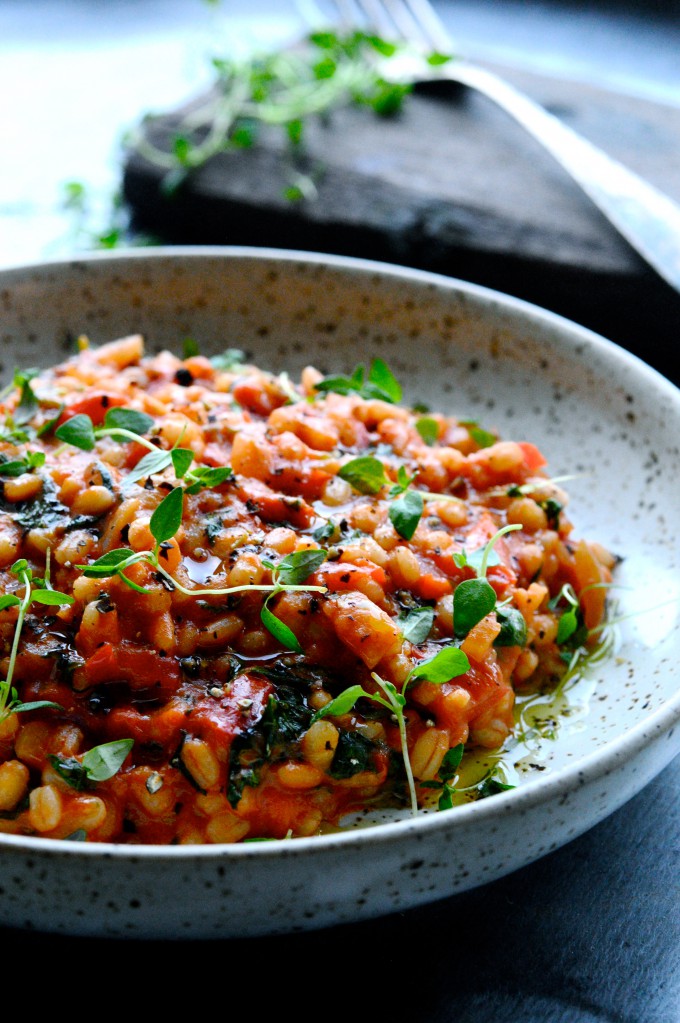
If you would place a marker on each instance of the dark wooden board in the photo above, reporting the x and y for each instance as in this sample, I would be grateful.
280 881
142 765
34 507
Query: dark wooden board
451 185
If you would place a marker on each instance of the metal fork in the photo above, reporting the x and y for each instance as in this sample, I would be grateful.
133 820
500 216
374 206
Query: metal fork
647 218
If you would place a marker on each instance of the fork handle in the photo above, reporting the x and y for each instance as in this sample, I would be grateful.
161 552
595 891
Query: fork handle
647 218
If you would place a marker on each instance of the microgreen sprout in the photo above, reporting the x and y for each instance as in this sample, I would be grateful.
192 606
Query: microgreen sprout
474 599
448 772
283 89
380 383
445 782
366 474
28 402
131 425
448 664
126 423
40 591
164 523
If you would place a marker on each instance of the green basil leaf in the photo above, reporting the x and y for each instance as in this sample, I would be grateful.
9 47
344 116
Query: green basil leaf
279 629
208 476
108 564
366 474
296 568
119 418
513 627
102 762
449 663
342 704
189 345
416 625
428 429
78 431
473 599
167 518
181 460
382 379
154 462
52 597
405 513
8 600
342 384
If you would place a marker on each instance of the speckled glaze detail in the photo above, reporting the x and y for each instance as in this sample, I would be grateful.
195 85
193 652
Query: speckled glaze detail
596 411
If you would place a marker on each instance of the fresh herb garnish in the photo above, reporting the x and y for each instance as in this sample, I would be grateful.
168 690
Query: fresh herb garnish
366 474
12 467
127 423
380 383
482 438
38 590
289 574
416 624
513 626
449 663
99 764
405 513
474 599
428 429
282 89
448 771
28 403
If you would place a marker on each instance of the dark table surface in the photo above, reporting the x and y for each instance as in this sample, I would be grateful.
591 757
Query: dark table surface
589 932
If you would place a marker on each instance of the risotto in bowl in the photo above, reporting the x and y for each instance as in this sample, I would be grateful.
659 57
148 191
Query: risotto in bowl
314 568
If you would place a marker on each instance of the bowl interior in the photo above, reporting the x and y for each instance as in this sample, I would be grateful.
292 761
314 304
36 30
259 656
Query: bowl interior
597 413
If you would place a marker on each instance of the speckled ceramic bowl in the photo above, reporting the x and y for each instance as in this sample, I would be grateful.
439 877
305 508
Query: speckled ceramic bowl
596 411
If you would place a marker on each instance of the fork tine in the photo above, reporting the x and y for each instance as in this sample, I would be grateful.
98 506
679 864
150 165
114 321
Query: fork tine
408 25
409 21
438 36
378 19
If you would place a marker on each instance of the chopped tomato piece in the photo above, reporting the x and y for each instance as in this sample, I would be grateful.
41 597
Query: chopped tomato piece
532 456
94 405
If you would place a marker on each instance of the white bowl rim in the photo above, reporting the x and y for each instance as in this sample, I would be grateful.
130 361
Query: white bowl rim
588 768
